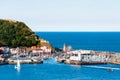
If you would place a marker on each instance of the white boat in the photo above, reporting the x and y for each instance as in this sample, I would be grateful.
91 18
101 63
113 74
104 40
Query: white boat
18 65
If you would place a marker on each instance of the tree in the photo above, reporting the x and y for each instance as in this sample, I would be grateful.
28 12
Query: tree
14 33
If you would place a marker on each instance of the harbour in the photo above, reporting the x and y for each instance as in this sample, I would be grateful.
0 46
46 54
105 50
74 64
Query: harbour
52 70
87 57
96 65
60 40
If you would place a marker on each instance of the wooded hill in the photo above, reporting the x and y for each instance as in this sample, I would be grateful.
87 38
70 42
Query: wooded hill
16 34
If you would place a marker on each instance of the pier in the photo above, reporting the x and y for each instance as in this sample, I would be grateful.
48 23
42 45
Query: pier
32 62
88 57
83 63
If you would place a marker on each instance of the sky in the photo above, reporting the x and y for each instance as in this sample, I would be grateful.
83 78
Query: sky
64 15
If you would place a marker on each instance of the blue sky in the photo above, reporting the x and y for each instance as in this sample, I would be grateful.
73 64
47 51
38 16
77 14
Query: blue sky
64 15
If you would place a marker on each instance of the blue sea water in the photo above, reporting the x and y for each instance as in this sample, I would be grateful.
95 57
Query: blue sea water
98 41
52 70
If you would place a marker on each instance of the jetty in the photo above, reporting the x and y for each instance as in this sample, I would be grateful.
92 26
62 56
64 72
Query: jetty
87 57
24 60
32 62
82 57
83 63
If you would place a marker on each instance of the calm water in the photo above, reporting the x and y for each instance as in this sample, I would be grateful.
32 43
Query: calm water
100 41
51 70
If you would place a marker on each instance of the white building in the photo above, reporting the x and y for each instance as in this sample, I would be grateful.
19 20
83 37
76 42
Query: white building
86 56
77 54
14 50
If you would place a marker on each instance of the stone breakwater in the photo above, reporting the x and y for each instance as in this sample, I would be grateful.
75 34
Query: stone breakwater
83 57
114 58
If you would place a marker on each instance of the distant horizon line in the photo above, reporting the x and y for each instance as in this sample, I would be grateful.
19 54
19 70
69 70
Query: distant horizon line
76 31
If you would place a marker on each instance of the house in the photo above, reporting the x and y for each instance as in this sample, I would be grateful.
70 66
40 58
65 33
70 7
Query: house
40 50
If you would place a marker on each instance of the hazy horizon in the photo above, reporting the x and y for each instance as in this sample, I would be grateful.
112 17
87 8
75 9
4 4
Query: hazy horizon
64 15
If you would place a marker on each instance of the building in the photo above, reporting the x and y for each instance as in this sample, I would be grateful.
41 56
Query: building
41 50
86 56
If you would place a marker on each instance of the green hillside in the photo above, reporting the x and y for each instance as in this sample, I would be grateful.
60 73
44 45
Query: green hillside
14 34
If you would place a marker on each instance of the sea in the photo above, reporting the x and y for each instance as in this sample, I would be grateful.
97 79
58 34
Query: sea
97 41
52 70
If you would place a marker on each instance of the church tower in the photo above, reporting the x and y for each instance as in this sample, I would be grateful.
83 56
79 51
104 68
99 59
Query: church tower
64 48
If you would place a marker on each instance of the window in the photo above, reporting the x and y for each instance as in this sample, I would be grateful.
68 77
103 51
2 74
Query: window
76 54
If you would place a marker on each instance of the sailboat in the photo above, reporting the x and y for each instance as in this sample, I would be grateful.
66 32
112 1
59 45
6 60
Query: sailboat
18 65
